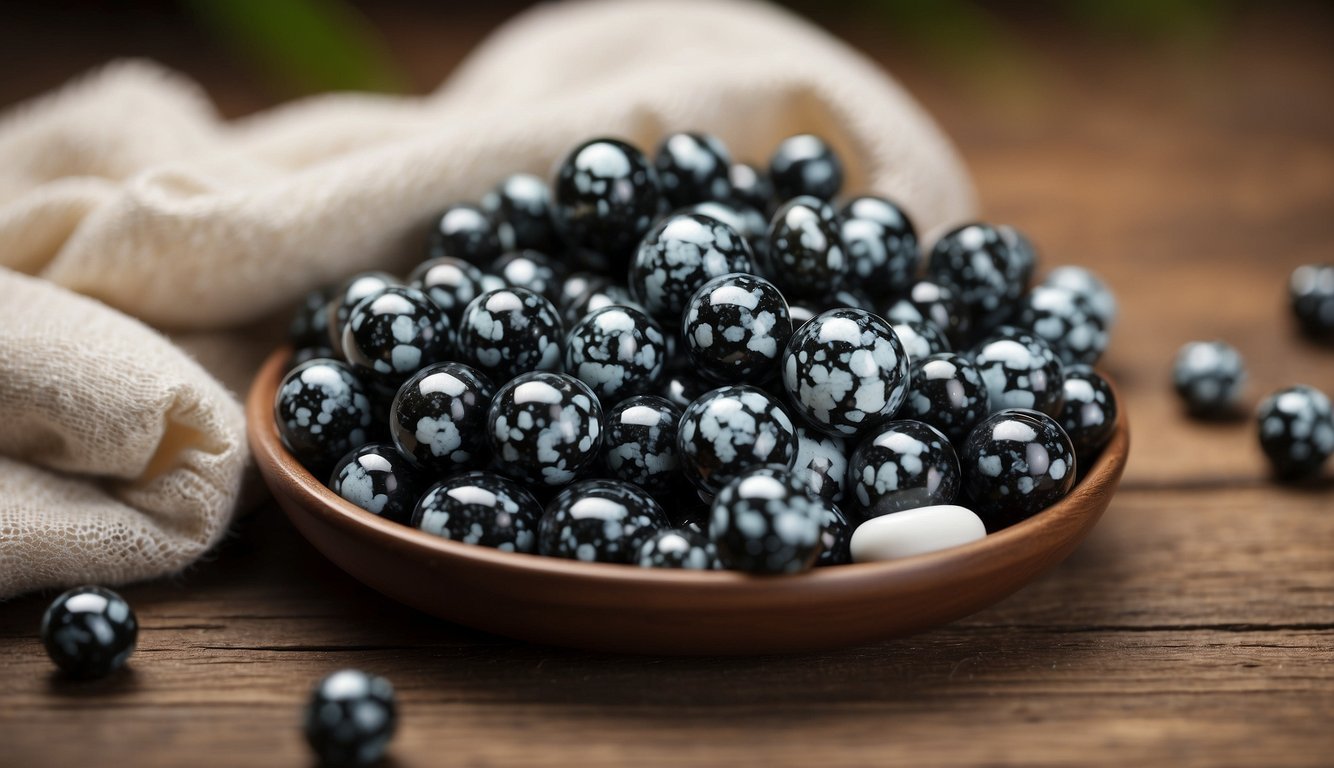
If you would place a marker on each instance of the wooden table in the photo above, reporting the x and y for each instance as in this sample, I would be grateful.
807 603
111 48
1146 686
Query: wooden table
1195 627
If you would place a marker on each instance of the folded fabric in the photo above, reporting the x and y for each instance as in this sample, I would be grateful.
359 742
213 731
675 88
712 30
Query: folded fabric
123 457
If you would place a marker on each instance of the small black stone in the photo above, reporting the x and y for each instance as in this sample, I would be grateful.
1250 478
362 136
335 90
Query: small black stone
805 165
89 632
480 508
1016 463
766 521
466 232
350 718
904 465
605 521
380 480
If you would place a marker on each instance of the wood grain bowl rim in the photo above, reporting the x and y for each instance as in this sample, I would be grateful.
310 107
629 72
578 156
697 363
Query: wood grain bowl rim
1009 544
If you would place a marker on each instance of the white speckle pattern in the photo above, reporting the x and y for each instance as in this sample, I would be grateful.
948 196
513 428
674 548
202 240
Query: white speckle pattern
510 331
322 411
905 464
736 327
1015 464
393 333
438 417
545 428
604 521
767 521
679 255
882 246
729 430
803 252
1210 377
1020 370
377 478
640 444
1296 430
480 508
617 352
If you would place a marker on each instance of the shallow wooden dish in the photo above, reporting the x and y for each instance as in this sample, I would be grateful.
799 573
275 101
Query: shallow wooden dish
638 610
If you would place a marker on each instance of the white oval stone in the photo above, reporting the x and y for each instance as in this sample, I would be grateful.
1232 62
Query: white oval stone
915 532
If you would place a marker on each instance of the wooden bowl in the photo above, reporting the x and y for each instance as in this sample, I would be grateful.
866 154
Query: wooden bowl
628 609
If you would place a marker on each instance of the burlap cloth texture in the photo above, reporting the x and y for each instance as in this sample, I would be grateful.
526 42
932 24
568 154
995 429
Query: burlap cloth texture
142 238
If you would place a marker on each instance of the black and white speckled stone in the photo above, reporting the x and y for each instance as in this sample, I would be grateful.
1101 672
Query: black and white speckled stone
348 295
1015 464
682 385
735 329
693 167
466 232
931 302
322 411
1088 285
532 270
575 285
1311 296
1088 415
480 508
451 283
606 196
805 165
947 392
89 632
380 480
803 252
680 254
767 521
438 418
510 331
1296 429
751 186
921 339
984 270
309 326
1066 321
677 548
835 538
1209 376
595 298
730 430
604 521
545 428
822 461
739 216
1020 370
639 445
393 334
882 246
617 352
520 209
845 372
350 718
904 465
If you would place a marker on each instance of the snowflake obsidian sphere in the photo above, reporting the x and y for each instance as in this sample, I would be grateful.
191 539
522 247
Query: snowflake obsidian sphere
1311 294
391 335
1089 413
510 331
805 165
605 521
438 417
735 329
947 392
639 445
767 521
881 244
480 508
732 429
1020 370
845 372
348 295
803 250
605 198
679 255
520 207
1296 431
465 232
1209 377
323 411
545 428
616 351
905 464
377 478
449 282
1065 320
985 270
1015 464
693 167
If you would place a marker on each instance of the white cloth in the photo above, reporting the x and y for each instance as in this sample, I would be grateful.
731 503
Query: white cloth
122 457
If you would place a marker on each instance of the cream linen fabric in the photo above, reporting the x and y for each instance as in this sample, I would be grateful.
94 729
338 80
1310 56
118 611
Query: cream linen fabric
124 196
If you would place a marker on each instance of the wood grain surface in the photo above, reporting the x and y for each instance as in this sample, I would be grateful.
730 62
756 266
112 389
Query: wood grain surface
1194 627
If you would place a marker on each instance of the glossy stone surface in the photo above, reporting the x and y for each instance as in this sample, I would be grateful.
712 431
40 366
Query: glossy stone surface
348 295
617 352
985 271
835 538
532 270
1209 377
882 245
766 521
681 385
309 326
575 285
1094 291
605 197
1088 415
438 418
1015 464
639 445
730 430
605 521
822 461
735 329
845 372
805 165
804 253
1066 321
466 232
520 210
1296 428
545 428
751 186
1020 370
921 339
693 167
947 392
350 718
380 480
676 548
450 283
904 465
481 508
1311 296
915 532
750 222
393 334
510 331
322 411
679 255
595 298
89 632
931 302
